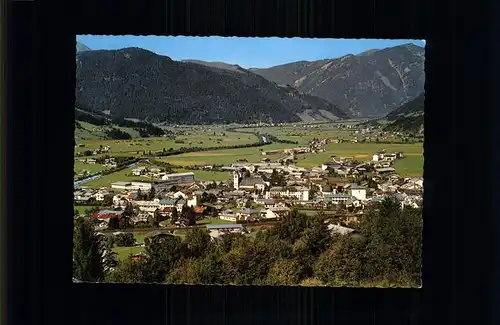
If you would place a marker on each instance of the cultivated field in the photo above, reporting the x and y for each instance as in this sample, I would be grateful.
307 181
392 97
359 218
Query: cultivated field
226 156
202 136
197 139
124 175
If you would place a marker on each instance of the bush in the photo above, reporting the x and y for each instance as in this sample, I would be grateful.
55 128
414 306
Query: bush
124 239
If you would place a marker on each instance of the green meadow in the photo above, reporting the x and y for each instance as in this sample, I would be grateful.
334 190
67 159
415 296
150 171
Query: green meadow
159 143
225 156
122 175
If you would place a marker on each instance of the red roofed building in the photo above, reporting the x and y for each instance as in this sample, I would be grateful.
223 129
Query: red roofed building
105 215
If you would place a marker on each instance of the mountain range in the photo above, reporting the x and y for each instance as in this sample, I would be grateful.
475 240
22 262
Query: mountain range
370 84
136 83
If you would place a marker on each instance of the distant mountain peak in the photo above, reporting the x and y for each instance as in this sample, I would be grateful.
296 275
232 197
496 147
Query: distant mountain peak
370 84
80 47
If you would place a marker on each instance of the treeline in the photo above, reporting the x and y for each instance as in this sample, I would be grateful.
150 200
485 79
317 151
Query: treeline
145 129
117 134
298 251
408 124
90 118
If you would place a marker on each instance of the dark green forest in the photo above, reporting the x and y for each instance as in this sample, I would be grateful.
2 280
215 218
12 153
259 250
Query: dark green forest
300 250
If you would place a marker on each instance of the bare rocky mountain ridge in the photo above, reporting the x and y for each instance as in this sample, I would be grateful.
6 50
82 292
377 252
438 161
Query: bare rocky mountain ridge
136 83
370 84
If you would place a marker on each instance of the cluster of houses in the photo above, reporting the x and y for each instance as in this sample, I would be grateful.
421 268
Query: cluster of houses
108 162
252 196
94 152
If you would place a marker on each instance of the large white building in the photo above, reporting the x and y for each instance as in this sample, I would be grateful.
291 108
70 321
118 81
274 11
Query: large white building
132 186
359 192
180 178
294 192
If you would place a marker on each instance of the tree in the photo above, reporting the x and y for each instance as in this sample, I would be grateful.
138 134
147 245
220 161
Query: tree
198 242
394 239
174 216
164 252
342 263
152 221
108 200
131 272
189 271
284 272
124 239
152 193
87 252
313 191
129 210
139 194
114 223
124 223
312 282
191 216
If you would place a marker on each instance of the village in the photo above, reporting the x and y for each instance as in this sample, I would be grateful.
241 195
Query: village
258 195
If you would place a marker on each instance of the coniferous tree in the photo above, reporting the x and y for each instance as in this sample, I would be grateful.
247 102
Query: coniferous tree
88 251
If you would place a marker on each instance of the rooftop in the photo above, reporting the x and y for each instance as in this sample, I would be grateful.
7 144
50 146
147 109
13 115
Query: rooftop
110 212
121 183
180 174
386 169
251 181
226 226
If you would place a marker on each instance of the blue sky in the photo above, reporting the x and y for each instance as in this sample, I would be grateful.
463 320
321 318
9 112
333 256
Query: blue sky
246 52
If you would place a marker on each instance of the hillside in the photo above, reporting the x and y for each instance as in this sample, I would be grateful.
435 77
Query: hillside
370 84
413 107
408 118
136 83
91 125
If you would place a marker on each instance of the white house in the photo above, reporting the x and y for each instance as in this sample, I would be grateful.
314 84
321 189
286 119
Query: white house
192 200
138 171
228 217
359 192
